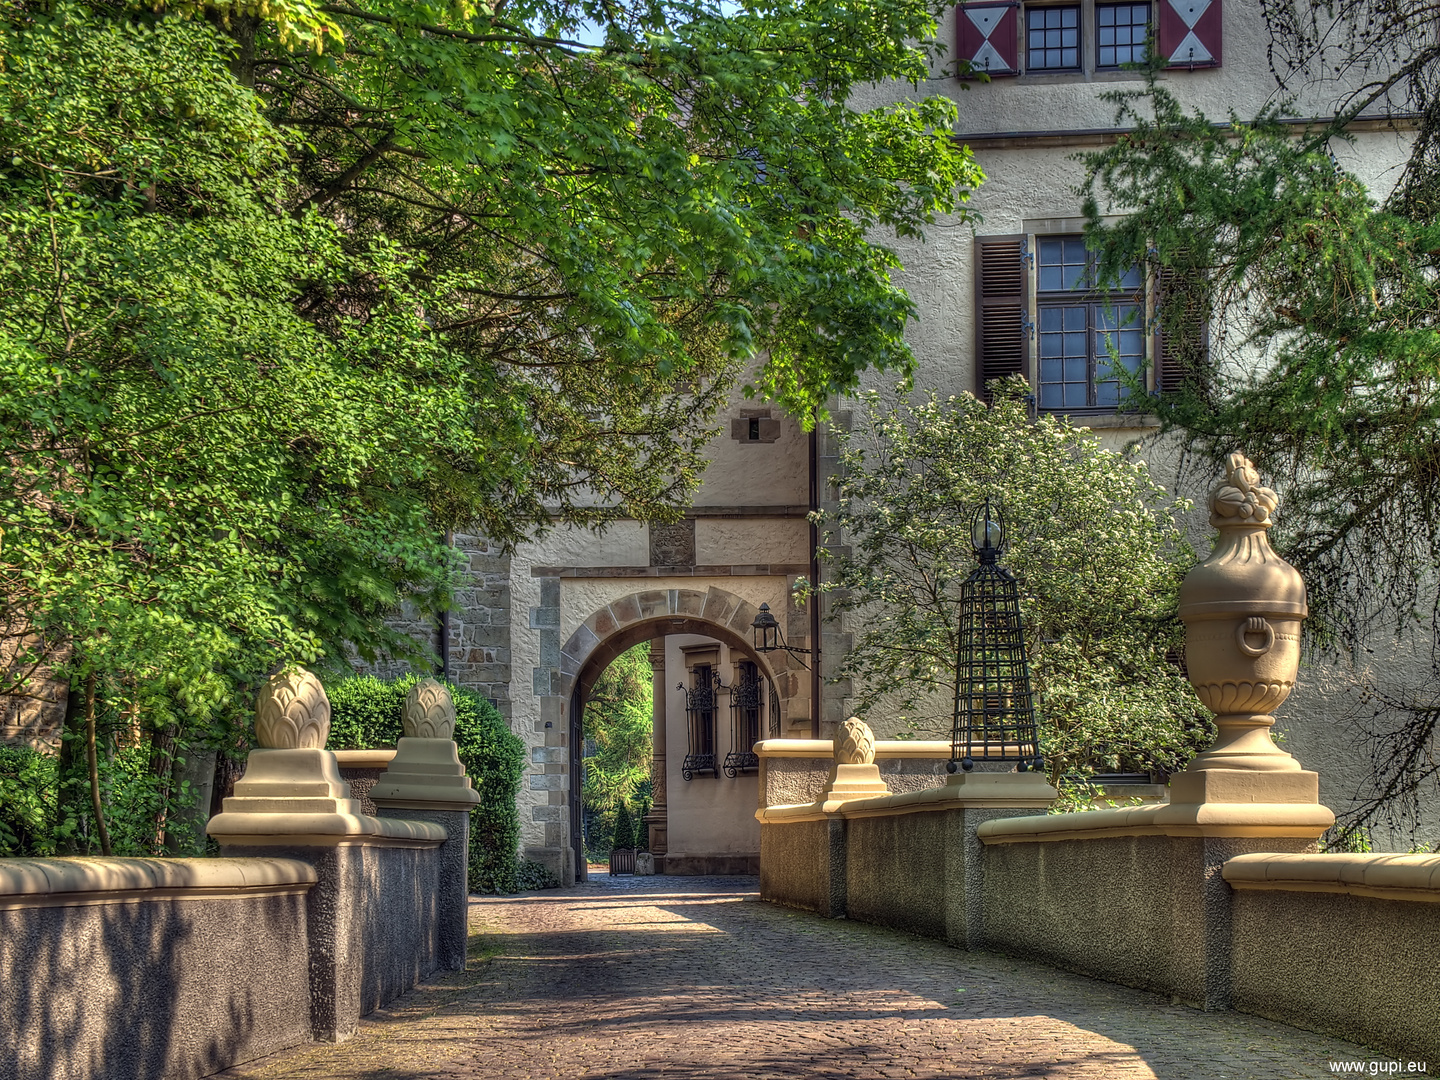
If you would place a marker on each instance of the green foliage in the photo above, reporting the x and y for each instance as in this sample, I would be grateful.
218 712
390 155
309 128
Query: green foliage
530 875
1324 368
148 811
618 720
366 715
1092 539
1354 839
624 837
272 319
27 810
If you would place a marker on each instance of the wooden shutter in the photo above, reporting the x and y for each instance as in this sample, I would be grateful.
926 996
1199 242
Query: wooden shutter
1182 335
988 36
1190 33
1001 341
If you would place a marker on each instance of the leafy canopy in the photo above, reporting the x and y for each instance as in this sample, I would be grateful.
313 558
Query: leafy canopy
1091 538
272 318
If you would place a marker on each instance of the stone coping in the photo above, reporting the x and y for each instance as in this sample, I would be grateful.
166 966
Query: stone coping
323 830
884 748
364 759
967 790
88 880
1387 877
1167 819
971 791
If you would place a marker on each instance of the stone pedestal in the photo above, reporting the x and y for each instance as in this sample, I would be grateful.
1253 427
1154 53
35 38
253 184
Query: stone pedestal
426 782
370 921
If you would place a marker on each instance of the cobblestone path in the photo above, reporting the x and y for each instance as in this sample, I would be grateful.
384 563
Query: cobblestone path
695 978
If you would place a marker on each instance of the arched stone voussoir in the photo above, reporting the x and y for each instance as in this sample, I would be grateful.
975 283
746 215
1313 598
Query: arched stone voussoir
636 616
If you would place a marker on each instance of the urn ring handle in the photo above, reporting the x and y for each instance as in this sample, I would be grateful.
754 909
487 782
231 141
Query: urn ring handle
1255 625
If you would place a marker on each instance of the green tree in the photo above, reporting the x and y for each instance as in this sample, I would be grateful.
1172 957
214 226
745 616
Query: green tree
1091 538
272 318
624 827
618 721
1323 365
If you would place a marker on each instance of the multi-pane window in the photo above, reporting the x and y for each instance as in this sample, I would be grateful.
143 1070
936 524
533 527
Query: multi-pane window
1052 38
1121 33
1088 330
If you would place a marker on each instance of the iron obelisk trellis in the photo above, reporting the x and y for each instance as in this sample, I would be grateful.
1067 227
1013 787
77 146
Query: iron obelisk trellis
994 705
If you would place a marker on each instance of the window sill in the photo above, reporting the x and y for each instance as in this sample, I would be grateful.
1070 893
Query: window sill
1043 78
1105 420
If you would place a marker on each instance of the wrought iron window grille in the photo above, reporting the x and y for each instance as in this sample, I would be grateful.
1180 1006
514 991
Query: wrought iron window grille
701 705
747 699
994 715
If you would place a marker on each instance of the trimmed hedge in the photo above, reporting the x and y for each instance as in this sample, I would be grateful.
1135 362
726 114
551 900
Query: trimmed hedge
365 715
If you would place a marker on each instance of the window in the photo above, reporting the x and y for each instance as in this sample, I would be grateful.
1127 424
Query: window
700 708
747 701
1002 38
1042 315
1052 38
1086 328
1121 33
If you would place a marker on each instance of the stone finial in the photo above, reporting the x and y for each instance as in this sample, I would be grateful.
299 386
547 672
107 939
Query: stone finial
855 743
429 711
1240 499
1243 608
292 712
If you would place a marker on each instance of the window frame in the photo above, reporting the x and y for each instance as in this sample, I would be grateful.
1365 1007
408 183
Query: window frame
1150 31
1026 30
1095 301
1088 67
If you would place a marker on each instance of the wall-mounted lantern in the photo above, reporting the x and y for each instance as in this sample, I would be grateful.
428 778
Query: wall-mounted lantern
767 636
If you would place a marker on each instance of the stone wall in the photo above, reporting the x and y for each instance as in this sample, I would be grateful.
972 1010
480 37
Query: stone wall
1344 944
121 968
479 638
1339 944
131 968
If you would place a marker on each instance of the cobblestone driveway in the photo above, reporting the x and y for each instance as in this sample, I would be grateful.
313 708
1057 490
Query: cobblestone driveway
691 978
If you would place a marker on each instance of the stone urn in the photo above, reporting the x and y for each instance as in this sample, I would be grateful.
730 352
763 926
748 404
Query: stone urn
1242 608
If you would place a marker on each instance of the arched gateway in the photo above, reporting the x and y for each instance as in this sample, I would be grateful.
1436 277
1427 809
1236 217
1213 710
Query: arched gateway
706 633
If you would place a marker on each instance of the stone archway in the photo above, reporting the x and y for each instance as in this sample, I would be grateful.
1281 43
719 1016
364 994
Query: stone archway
643 616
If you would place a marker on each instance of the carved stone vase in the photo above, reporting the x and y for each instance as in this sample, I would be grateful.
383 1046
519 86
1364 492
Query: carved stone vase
1242 608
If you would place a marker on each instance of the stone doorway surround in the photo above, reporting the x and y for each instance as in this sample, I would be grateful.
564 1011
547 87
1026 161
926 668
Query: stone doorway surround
610 630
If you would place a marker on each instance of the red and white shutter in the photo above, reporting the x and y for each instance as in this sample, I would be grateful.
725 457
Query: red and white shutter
1190 33
988 35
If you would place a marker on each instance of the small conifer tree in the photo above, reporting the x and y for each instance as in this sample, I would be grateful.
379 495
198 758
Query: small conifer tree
624 828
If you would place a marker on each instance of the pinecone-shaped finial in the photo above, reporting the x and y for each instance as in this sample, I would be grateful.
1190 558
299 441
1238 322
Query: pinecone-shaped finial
855 743
429 711
292 712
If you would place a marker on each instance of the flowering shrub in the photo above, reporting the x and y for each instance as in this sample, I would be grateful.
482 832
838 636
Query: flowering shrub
1091 538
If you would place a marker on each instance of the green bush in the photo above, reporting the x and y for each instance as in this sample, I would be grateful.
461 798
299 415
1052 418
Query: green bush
27 801
532 875
365 715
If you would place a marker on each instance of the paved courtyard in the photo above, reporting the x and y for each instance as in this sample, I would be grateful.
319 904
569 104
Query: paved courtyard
696 978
